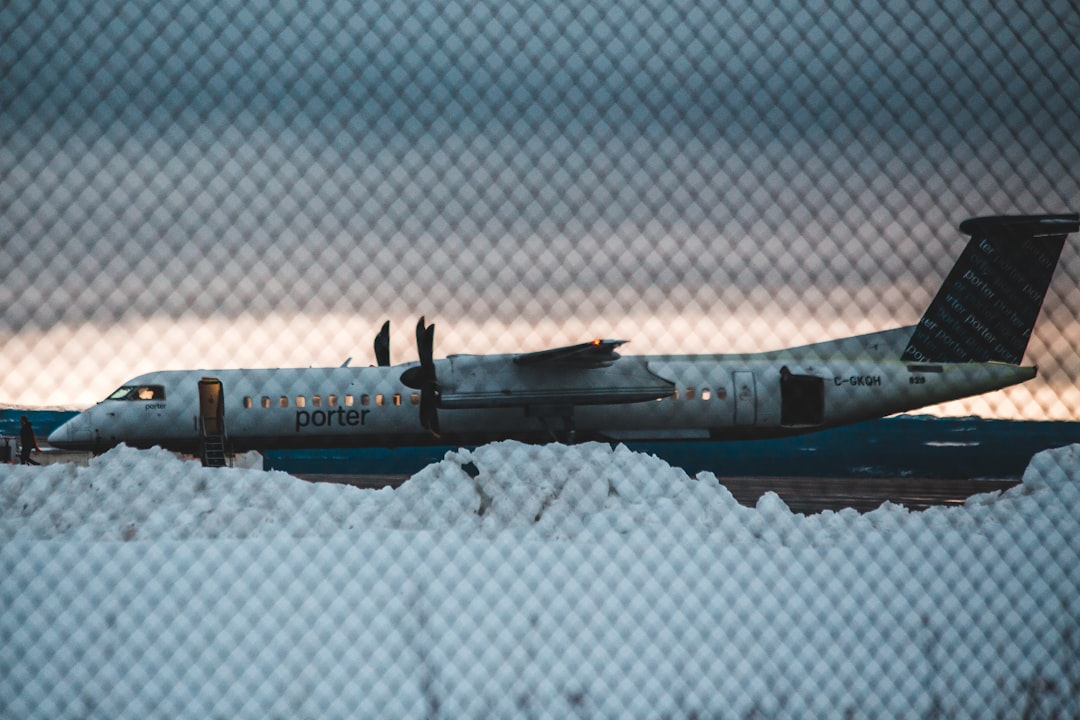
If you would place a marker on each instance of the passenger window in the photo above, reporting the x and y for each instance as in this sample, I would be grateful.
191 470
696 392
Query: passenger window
689 393
415 398
247 402
348 401
397 399
706 394
316 401
380 400
331 400
265 401
365 400
283 401
301 401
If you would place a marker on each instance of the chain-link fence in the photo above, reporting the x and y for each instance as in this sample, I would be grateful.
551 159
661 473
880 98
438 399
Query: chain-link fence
233 185
207 184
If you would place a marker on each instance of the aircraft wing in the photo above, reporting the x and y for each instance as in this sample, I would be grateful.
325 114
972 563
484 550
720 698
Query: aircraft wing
595 354
584 374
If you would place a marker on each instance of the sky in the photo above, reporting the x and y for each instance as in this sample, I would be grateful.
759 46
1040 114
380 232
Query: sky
261 184
520 581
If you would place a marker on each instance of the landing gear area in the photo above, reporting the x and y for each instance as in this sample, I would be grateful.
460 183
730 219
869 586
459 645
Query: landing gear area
802 399
564 415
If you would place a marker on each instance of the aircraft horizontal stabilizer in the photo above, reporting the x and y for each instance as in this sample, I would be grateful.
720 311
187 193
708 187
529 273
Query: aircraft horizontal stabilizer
1021 225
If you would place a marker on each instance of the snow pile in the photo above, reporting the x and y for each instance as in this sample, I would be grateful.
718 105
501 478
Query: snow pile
548 491
521 581
129 494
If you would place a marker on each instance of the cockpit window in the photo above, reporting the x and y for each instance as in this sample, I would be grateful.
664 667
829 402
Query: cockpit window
139 392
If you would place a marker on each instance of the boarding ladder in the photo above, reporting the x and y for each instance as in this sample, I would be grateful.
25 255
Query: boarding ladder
211 443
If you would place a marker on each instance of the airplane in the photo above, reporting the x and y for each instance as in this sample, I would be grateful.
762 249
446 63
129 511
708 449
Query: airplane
971 340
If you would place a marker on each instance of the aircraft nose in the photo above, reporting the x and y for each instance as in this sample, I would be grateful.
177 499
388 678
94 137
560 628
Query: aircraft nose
61 435
73 435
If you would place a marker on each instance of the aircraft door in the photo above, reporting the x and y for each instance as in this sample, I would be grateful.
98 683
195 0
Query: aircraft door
802 399
745 398
212 406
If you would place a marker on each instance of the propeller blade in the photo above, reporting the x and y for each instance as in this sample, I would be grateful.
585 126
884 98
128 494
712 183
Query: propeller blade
420 332
429 414
382 346
422 377
427 349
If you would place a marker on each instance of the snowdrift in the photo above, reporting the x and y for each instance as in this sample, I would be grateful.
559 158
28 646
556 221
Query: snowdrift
518 580
550 491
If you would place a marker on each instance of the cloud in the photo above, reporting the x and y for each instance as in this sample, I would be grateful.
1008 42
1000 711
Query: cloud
248 161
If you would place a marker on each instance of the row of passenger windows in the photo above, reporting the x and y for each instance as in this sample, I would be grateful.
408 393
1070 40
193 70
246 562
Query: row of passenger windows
301 401
380 400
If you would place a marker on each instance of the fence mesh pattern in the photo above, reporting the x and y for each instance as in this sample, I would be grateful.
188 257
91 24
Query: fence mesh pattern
260 184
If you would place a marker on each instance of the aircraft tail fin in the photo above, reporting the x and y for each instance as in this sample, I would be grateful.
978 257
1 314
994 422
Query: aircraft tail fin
987 306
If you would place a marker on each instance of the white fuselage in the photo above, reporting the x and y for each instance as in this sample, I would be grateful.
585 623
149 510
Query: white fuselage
695 397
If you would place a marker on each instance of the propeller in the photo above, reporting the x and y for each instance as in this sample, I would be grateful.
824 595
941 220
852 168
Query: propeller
382 346
422 377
